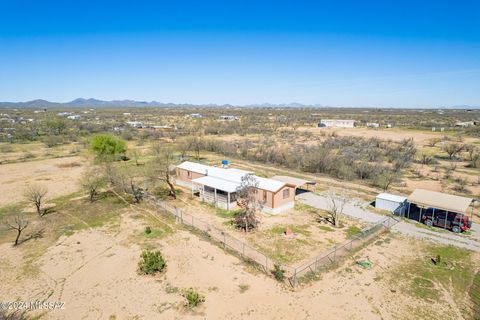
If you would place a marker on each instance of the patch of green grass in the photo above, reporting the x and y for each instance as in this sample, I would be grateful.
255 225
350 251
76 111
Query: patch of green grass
298 229
227 214
474 293
12 210
352 231
326 228
427 280
153 234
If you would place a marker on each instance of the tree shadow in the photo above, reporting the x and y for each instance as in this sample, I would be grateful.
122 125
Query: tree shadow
36 235
48 210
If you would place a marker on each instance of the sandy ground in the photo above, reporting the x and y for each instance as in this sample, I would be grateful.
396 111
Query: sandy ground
94 273
420 137
60 176
302 247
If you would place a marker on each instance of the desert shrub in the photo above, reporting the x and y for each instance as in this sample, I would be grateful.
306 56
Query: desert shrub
151 262
148 230
192 297
107 146
278 273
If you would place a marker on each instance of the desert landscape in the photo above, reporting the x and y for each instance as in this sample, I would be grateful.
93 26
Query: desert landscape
84 249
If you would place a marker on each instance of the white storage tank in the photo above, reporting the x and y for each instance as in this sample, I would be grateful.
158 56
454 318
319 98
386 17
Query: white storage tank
390 202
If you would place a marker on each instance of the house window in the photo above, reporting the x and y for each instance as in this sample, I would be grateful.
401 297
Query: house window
286 193
189 175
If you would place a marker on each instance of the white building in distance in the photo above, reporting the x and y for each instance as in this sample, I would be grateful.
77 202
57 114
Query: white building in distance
135 124
229 118
336 123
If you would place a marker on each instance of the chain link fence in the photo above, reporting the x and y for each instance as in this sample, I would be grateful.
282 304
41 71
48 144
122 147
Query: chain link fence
263 262
227 241
329 257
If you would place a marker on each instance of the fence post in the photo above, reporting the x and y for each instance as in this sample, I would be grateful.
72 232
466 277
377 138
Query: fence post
316 261
224 242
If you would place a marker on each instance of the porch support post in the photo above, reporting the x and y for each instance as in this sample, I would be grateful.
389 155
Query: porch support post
408 213
215 197
228 200
420 215
446 218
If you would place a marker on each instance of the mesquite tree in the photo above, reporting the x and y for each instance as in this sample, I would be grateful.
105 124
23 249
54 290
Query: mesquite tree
18 224
336 204
36 194
249 203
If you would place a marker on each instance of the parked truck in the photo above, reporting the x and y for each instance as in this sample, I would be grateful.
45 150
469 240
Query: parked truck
456 222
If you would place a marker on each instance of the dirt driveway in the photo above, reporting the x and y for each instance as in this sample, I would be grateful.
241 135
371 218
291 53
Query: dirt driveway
60 176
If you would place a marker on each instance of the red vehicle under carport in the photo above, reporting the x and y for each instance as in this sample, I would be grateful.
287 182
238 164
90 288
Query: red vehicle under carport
440 209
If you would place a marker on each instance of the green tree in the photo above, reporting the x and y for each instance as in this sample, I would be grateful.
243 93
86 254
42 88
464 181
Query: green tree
107 146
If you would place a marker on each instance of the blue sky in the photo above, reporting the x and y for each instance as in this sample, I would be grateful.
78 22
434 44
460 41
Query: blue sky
338 53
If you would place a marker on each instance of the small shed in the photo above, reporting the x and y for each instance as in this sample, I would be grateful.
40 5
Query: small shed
390 202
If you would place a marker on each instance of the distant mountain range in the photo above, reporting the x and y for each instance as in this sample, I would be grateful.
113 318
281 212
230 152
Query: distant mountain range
95 103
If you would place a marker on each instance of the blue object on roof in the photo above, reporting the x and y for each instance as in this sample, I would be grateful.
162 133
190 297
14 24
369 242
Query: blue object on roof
224 162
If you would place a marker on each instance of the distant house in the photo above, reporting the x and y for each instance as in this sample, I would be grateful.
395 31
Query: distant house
219 186
373 125
135 124
465 124
74 117
229 118
336 123
63 114
196 115
164 128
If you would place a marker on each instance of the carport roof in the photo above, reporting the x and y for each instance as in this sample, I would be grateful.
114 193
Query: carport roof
291 180
439 200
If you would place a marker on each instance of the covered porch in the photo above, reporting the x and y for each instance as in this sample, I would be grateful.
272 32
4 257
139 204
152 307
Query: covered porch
216 191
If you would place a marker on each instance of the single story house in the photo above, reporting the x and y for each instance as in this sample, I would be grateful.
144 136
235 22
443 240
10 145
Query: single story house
391 202
219 186
336 123
373 125
229 118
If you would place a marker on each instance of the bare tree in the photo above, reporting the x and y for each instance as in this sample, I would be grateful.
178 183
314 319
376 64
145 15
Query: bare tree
452 149
385 179
36 194
160 167
135 154
195 144
248 201
91 181
336 204
18 224
432 142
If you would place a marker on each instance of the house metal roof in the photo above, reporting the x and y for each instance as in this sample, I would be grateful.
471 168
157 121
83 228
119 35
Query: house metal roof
291 180
439 200
217 183
391 197
230 175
